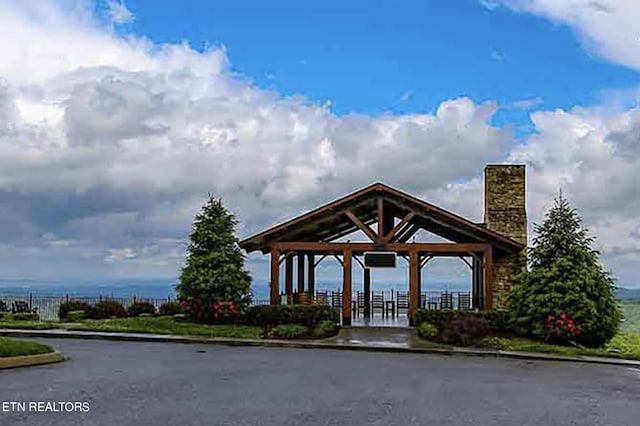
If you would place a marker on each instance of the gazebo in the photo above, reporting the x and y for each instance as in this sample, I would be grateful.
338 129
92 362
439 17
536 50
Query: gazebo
495 247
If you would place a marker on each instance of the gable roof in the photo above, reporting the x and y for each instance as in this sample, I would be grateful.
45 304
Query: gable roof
330 221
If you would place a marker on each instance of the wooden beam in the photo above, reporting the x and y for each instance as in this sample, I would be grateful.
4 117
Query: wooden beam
409 232
274 293
368 231
317 262
414 295
488 278
337 248
301 257
380 217
288 274
346 287
311 275
425 261
387 238
466 261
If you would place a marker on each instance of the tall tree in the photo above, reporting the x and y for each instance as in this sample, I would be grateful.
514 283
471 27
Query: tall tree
565 275
214 269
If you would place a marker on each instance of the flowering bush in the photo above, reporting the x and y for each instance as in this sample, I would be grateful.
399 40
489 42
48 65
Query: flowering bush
561 328
215 311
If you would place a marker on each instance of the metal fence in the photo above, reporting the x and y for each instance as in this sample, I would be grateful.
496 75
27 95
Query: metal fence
48 307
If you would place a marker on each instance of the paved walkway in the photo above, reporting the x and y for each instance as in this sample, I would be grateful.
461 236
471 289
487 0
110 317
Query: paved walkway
396 337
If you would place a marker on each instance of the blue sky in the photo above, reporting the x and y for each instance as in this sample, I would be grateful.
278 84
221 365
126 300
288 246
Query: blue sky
389 56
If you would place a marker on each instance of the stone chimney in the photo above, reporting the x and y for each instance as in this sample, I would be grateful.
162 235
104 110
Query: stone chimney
505 204
505 211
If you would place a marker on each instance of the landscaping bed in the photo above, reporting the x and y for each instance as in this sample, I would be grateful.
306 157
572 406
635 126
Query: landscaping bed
267 322
12 347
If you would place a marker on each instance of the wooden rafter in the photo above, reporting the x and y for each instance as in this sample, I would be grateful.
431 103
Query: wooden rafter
409 232
387 238
380 217
368 231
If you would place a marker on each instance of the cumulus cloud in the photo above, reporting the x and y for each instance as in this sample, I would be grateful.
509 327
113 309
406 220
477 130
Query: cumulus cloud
119 13
608 28
109 146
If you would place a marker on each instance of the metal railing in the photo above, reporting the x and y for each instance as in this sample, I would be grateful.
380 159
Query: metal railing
48 307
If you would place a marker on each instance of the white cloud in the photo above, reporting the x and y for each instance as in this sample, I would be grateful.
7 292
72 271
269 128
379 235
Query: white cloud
118 12
110 144
608 28
527 103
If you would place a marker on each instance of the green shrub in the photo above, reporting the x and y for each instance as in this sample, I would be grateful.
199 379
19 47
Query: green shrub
106 309
428 331
76 316
26 316
287 331
565 276
498 321
170 308
137 308
72 305
306 315
324 329
464 331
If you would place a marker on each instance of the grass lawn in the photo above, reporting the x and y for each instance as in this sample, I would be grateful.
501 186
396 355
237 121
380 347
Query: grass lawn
155 325
11 347
627 343
165 325
631 311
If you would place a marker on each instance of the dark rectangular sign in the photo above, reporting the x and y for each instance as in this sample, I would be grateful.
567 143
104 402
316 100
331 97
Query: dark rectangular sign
379 259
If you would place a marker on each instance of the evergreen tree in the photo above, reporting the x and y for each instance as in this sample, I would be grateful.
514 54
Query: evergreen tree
214 270
565 276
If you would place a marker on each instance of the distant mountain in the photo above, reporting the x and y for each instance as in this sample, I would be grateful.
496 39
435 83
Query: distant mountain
628 293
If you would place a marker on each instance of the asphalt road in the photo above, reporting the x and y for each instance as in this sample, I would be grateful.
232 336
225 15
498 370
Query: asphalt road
128 383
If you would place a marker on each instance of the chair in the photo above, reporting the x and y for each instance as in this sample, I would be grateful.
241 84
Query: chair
321 298
464 301
359 307
377 301
4 307
402 301
336 299
423 300
20 306
446 300
303 298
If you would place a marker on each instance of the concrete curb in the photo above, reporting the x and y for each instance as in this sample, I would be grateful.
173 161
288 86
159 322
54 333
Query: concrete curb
30 360
322 344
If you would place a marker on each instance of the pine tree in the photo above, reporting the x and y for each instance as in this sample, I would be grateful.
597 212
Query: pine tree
214 269
565 275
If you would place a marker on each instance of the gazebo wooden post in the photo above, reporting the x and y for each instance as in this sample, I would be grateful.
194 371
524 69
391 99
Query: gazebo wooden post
275 277
346 286
288 276
419 277
311 275
488 278
476 290
414 296
301 257
367 292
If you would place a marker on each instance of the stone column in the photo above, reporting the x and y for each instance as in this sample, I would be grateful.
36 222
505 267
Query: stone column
505 211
